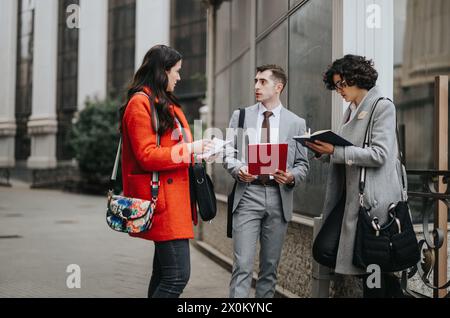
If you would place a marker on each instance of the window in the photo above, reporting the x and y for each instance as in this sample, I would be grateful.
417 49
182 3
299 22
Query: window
297 35
67 79
222 36
24 78
121 46
240 27
188 36
268 11
273 50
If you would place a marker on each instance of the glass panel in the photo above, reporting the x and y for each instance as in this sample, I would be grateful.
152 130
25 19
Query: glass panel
67 85
309 54
223 36
272 50
24 67
240 26
268 11
188 36
294 2
241 83
121 45
222 180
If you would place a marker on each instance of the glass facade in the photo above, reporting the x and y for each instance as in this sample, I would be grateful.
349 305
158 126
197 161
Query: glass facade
121 46
67 86
188 36
24 86
297 35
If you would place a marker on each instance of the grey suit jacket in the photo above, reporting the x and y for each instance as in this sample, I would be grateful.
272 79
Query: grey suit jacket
290 125
384 171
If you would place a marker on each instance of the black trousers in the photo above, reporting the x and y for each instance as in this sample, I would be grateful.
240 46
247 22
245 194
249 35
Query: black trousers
389 288
171 269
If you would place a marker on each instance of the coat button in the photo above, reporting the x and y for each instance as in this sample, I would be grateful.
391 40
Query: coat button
170 181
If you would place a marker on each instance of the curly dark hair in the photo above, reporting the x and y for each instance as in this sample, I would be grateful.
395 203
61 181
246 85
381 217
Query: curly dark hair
355 70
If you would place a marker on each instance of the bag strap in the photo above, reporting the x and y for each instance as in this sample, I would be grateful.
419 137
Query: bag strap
367 143
240 128
155 175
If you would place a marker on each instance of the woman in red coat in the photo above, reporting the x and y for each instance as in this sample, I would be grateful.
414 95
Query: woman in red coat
172 226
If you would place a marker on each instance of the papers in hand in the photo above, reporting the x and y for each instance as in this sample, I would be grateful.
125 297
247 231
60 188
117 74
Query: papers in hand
323 135
219 145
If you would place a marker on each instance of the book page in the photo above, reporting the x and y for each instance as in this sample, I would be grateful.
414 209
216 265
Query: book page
219 144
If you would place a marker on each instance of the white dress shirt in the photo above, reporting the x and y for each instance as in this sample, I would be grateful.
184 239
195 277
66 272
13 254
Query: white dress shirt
274 122
353 109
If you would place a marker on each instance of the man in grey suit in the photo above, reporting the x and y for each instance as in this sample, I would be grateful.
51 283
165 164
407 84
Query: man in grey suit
262 205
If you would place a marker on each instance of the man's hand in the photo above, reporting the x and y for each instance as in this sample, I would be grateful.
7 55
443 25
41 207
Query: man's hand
244 176
320 147
283 177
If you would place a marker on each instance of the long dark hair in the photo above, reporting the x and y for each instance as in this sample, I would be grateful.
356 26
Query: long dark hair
152 74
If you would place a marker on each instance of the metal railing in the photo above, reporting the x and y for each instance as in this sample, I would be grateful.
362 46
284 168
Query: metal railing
434 247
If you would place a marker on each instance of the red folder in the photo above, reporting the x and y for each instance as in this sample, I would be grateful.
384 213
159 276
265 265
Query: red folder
267 158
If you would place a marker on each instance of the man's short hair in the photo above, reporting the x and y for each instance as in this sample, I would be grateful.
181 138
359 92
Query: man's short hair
278 74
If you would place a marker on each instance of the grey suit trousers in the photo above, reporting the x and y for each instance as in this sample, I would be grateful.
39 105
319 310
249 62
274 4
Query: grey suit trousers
259 215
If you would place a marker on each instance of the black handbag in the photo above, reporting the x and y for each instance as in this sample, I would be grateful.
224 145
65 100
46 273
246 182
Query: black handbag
201 188
230 199
393 245
202 191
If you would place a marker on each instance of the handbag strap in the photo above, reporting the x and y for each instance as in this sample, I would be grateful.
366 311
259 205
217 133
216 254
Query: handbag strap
367 142
240 128
155 175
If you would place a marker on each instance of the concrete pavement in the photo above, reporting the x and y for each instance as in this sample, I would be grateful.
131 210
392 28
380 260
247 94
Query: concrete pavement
42 232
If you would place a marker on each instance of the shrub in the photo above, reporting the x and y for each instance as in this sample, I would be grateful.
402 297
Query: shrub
94 139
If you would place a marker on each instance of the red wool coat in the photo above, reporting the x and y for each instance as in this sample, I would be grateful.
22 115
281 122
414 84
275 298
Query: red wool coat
140 157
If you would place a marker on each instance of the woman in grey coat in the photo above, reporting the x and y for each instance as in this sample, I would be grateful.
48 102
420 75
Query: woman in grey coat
354 78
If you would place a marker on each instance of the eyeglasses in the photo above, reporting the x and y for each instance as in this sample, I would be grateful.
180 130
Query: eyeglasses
339 85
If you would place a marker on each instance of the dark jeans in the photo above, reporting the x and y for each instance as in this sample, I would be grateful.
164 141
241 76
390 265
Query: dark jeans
390 287
171 269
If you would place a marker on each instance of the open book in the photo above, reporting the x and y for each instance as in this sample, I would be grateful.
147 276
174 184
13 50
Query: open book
323 135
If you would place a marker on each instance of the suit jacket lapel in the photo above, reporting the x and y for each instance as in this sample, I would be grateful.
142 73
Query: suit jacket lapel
251 120
283 130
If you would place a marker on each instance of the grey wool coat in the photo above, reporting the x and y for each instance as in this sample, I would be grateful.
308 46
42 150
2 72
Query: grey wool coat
384 172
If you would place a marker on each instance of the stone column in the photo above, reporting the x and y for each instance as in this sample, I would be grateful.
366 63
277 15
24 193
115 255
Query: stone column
364 27
92 50
43 125
152 26
8 47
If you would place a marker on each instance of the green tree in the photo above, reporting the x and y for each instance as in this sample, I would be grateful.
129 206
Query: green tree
94 138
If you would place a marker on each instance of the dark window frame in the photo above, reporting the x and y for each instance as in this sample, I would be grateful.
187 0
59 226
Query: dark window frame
121 46
24 91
